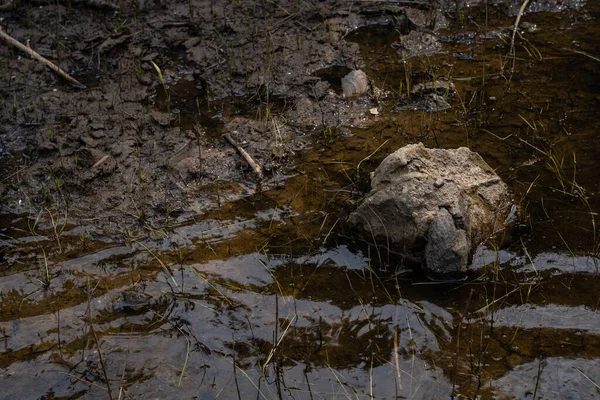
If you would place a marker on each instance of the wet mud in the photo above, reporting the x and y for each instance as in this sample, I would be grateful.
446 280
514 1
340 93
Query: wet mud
141 256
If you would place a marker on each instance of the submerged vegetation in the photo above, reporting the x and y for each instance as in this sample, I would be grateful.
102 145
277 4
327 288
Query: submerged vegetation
141 257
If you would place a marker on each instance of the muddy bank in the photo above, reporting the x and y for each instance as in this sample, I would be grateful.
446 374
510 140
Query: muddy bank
132 146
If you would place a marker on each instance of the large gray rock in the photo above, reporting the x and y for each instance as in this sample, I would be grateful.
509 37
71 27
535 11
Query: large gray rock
433 207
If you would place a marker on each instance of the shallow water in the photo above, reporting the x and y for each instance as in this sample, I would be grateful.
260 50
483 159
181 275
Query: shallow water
261 296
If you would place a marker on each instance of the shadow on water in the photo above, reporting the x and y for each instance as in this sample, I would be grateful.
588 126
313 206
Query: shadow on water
189 103
262 297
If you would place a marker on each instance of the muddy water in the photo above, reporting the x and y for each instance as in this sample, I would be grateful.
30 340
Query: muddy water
256 292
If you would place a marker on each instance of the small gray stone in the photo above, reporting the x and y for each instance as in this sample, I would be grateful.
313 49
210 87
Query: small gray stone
355 84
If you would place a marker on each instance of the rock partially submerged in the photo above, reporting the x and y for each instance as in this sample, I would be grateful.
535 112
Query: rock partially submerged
433 207
355 84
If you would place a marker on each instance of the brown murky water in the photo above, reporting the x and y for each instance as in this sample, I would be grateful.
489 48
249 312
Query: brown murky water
262 297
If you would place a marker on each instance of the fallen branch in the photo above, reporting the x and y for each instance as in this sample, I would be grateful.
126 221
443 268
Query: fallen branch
40 58
100 161
515 29
91 3
253 164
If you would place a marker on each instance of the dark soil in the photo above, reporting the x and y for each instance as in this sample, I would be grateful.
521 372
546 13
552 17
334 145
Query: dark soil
128 145
131 146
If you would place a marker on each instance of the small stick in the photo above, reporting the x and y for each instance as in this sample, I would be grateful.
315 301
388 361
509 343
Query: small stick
100 161
40 58
253 164
516 26
92 3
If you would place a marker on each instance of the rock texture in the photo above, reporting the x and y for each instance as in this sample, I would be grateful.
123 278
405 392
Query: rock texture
433 207
355 84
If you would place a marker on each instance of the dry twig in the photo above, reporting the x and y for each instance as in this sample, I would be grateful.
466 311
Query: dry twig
253 164
91 3
41 59
515 28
